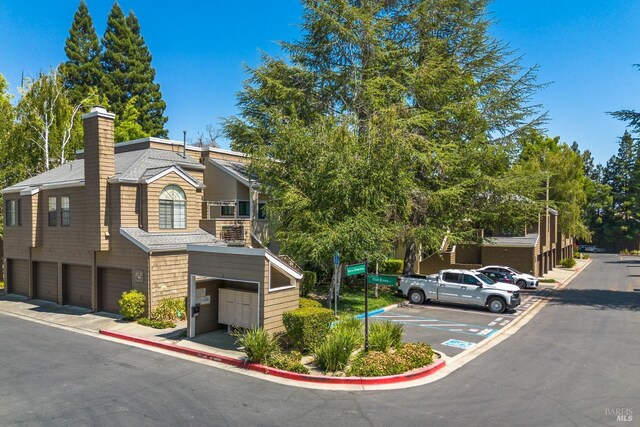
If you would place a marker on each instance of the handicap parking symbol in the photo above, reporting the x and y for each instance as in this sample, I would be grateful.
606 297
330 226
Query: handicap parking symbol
459 344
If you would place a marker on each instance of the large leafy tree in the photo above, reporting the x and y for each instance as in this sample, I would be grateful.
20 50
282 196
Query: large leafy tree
127 66
82 72
458 96
7 117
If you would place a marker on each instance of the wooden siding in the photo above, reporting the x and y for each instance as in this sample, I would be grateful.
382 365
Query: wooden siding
18 239
45 285
523 259
169 276
129 209
219 185
194 203
77 284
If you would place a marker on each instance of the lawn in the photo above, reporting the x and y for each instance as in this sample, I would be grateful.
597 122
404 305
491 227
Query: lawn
351 299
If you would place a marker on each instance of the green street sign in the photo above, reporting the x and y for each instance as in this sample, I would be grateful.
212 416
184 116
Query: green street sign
376 279
354 269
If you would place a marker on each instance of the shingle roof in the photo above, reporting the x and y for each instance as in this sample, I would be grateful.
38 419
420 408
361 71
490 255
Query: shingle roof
236 169
129 166
153 242
529 240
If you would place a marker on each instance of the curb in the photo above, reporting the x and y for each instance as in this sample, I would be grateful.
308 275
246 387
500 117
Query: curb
391 379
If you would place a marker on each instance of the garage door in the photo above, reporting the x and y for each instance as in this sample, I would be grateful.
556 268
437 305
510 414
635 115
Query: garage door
18 276
112 283
77 285
45 286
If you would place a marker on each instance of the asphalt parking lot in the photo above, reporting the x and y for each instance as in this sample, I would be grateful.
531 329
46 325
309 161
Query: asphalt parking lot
452 329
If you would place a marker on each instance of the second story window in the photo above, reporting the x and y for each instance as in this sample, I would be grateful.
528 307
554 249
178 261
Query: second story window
13 212
173 208
53 212
243 208
65 217
262 212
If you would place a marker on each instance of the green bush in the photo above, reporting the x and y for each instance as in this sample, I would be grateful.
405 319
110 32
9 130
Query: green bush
377 363
568 262
132 304
307 283
385 335
258 344
335 351
307 302
392 266
156 324
288 362
169 309
308 326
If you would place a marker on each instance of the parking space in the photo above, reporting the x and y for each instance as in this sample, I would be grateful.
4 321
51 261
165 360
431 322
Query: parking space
452 329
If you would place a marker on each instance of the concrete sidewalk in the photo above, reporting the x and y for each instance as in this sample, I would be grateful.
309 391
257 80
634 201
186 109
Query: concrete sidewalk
563 275
84 320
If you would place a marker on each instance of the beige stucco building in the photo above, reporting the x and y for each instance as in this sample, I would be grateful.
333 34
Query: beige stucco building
123 216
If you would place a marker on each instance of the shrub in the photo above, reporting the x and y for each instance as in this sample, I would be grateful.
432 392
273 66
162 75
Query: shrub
377 363
288 362
132 304
258 344
156 324
392 266
169 309
335 351
307 283
568 262
416 355
308 326
307 302
385 335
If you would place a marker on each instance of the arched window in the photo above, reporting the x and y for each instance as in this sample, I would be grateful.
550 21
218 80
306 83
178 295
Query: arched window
173 207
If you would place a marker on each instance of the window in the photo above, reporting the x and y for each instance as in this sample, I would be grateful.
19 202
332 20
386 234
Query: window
227 210
451 277
65 218
243 209
470 280
173 208
53 212
13 212
262 212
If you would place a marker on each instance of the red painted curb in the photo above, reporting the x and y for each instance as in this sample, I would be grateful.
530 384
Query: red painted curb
409 376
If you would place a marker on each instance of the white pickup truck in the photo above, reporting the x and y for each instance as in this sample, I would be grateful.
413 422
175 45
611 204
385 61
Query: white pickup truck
460 287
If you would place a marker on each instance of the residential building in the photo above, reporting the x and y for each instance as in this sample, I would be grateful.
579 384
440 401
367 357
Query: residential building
123 216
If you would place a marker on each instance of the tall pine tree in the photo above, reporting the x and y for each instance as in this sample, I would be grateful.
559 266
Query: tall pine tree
82 72
149 101
127 65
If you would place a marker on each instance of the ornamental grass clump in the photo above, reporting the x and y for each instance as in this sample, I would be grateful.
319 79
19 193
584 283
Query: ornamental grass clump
384 336
334 353
258 344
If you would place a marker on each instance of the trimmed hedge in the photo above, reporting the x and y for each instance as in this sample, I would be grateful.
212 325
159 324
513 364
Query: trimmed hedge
307 283
307 326
392 266
307 302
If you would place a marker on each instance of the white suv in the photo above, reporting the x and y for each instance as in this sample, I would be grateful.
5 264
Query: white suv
522 280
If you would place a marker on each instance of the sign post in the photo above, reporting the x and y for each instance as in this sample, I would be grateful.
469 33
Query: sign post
354 270
336 280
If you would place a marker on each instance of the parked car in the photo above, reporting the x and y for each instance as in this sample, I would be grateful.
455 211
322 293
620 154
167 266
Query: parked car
460 287
591 249
522 280
498 276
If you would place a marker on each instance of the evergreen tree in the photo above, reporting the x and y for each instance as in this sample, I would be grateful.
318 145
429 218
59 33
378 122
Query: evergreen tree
458 101
149 101
127 65
82 72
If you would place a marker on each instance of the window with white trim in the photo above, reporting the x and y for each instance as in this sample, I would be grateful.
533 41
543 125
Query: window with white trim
65 216
53 211
173 207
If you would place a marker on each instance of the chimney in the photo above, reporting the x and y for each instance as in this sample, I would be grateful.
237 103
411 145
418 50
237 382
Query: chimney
99 166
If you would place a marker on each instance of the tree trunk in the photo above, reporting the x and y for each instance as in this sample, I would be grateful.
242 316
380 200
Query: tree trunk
409 258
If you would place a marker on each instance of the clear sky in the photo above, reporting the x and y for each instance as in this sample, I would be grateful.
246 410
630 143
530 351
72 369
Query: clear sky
585 48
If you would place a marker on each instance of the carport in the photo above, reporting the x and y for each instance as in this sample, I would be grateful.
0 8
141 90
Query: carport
239 287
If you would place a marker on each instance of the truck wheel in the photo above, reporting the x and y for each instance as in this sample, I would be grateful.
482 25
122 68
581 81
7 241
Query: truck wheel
416 297
521 284
496 305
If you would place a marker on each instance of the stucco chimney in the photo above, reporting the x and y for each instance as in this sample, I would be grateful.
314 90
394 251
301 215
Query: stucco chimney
99 166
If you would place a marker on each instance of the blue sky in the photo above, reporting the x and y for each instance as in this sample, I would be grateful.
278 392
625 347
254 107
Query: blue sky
585 48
